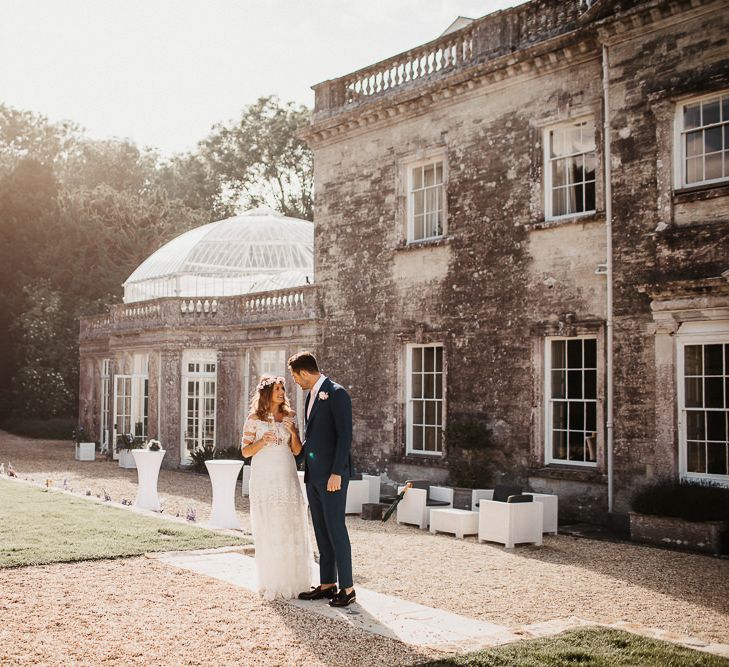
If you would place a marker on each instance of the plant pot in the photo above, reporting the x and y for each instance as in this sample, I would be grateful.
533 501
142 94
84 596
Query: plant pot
668 531
85 451
126 459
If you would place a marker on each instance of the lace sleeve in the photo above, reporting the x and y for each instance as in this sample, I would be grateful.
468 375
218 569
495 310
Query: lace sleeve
249 432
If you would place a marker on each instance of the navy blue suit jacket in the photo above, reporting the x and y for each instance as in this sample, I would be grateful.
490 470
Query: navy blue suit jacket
328 434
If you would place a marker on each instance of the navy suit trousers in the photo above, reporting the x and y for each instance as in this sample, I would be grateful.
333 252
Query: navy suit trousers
330 529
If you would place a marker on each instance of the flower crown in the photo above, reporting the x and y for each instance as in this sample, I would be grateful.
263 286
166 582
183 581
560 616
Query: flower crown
268 381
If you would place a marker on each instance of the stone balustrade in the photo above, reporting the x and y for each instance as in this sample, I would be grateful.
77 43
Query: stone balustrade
491 38
293 304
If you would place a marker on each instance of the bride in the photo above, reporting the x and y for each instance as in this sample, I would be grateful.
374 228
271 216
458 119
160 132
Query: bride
278 512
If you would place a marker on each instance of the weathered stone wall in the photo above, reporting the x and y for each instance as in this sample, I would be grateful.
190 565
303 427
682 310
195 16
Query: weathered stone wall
503 278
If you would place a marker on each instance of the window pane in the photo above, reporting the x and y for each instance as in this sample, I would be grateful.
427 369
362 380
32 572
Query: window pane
418 202
590 384
430 413
590 351
576 416
574 384
417 178
726 135
430 439
558 353
417 386
574 354
716 425
559 415
695 425
694 170
588 136
716 463
591 417
439 359
559 202
559 384
712 139
439 172
418 412
591 447
559 175
725 108
713 362
438 381
428 175
576 446
696 457
694 143
559 445
419 227
694 393
417 359
713 392
714 166
429 385
691 116
556 142
429 354
418 438
693 362
710 111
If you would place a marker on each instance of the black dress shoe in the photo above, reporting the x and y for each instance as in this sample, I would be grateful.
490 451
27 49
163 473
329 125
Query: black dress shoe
343 599
319 593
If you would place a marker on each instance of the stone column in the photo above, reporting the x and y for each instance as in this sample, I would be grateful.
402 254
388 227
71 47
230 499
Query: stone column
169 409
228 391
666 448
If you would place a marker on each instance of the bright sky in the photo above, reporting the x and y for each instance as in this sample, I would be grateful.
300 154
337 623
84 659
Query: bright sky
162 72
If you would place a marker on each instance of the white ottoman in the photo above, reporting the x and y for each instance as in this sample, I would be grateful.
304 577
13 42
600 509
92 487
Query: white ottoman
457 522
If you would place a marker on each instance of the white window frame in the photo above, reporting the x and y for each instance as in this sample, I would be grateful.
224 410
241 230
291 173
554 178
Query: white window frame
548 458
104 403
410 197
679 142
115 432
548 169
694 333
201 357
409 400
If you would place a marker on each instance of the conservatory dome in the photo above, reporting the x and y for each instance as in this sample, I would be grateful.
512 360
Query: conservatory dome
257 251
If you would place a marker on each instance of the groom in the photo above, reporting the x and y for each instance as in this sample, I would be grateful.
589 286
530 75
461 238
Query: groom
328 467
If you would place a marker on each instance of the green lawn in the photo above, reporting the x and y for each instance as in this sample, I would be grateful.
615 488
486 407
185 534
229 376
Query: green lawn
38 527
588 647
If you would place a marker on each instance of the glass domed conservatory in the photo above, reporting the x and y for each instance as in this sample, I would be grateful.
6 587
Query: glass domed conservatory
201 318
258 251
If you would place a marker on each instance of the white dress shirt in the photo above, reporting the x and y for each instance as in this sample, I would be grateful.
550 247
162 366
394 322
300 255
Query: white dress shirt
314 392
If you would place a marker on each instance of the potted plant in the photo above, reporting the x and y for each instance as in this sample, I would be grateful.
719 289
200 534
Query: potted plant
682 515
125 443
85 448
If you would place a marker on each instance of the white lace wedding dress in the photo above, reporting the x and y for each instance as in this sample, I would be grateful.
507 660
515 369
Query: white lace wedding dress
278 516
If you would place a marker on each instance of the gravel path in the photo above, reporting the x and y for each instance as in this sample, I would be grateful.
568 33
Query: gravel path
598 581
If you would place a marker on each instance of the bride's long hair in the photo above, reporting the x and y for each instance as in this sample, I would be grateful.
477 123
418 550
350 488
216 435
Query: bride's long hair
261 401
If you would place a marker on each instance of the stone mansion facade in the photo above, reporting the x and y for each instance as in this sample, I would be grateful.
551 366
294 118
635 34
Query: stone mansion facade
523 223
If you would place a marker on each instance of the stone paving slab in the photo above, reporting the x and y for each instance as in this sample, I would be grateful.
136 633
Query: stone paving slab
408 622
374 612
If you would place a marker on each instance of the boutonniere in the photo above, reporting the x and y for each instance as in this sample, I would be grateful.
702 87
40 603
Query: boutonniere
323 396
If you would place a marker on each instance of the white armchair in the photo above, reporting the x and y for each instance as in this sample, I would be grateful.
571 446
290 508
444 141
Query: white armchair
480 494
550 502
358 492
414 508
510 523
374 482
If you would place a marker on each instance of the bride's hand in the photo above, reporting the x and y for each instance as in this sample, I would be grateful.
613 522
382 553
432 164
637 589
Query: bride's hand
290 425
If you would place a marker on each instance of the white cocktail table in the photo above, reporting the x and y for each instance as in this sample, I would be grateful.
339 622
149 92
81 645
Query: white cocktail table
148 465
456 522
223 476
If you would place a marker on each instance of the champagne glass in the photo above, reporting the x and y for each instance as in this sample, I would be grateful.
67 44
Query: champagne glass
272 425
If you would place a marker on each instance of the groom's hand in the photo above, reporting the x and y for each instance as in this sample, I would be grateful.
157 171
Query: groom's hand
334 483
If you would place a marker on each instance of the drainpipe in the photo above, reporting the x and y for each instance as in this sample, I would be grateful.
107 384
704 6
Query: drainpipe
609 275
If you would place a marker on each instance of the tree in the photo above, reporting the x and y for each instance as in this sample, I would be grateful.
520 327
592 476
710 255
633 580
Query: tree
260 160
